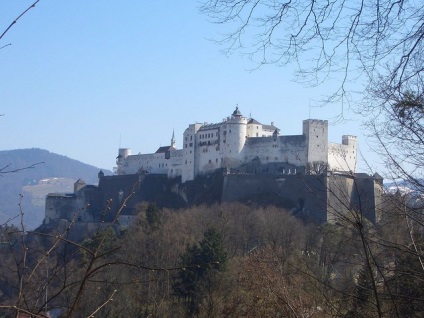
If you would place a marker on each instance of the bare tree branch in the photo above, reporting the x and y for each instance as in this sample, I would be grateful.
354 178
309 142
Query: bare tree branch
16 20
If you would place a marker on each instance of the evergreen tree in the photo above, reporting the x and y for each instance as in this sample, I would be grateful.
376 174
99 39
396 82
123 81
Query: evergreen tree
201 263
153 216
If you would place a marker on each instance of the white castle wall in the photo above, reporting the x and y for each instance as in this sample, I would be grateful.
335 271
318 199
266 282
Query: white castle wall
207 149
287 149
237 141
342 157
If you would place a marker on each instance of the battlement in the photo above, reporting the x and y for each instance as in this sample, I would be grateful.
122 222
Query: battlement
316 121
348 139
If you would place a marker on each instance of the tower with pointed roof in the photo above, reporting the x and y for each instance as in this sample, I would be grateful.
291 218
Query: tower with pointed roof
173 142
236 131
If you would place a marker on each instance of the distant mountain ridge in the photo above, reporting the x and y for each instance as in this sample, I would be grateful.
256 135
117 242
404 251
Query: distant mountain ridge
403 186
412 193
47 166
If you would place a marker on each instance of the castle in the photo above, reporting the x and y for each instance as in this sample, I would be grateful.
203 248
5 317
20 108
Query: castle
239 159
238 142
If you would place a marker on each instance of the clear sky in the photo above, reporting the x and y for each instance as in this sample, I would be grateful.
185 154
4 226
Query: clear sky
83 78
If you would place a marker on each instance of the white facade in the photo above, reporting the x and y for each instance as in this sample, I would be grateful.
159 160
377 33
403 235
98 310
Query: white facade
238 141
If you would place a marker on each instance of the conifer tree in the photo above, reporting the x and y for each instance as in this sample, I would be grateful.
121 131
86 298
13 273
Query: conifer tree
201 263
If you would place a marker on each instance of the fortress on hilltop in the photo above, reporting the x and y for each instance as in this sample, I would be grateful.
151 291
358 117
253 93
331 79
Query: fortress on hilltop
244 144
238 159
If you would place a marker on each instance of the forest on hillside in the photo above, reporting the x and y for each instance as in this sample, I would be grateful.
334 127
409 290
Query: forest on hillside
229 260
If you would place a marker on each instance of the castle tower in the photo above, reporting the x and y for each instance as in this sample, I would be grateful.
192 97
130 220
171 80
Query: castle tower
316 133
123 153
78 185
350 143
100 175
236 133
189 147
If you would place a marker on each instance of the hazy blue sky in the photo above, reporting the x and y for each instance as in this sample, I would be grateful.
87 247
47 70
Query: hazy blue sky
83 78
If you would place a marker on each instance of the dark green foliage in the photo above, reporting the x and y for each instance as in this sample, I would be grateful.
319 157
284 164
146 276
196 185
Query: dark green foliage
409 107
409 282
363 291
153 216
201 262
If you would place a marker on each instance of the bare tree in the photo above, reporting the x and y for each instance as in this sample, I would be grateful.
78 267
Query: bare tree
376 41
15 21
399 131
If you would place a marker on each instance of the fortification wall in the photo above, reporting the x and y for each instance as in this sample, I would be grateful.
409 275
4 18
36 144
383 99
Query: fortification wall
342 157
367 198
208 150
305 196
62 206
285 149
340 188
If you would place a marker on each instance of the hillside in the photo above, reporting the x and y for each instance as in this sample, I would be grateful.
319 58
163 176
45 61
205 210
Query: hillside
51 173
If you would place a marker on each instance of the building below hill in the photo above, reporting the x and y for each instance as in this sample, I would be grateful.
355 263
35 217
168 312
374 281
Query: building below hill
238 159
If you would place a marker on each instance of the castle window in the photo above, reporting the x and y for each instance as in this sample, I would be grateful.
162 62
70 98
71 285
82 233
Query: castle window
191 137
210 161
230 131
216 160
209 135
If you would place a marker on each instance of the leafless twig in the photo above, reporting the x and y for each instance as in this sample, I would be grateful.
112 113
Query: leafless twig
16 20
